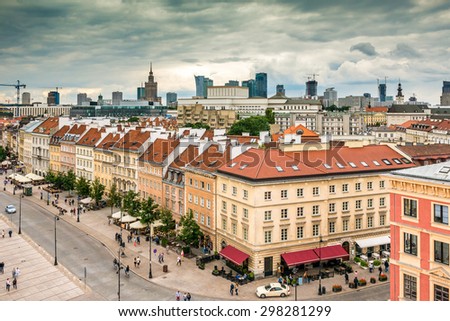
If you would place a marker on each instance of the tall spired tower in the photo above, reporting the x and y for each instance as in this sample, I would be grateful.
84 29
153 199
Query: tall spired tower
151 88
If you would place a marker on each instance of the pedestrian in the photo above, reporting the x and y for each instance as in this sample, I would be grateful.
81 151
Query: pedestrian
138 240
236 287
3 233
179 260
2 267
346 277
177 295
135 262
162 257
231 288
386 266
371 267
355 281
380 270
138 261
17 272
159 258
356 274
14 283
188 296
8 284
10 233
184 296
129 238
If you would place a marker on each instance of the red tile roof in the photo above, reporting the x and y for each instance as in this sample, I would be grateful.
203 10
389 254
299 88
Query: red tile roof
132 140
377 109
91 138
306 132
56 137
159 150
186 156
109 141
426 150
47 125
74 133
258 164
211 159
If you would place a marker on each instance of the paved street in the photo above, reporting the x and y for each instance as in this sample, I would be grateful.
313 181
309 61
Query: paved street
90 243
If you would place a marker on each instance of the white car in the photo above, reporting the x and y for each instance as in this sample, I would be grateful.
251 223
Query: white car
10 209
273 289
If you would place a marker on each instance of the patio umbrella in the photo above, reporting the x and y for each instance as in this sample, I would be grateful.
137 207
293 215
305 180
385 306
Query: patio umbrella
138 225
128 219
116 215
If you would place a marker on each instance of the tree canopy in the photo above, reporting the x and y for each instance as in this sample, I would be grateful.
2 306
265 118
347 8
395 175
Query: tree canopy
197 125
253 125
168 223
190 232
97 190
83 187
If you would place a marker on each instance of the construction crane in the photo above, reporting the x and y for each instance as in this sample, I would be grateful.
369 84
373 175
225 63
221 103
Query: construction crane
18 89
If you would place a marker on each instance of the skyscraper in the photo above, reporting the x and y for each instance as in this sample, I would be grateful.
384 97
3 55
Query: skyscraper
251 85
231 83
382 92
26 98
141 93
53 98
81 98
311 88
117 97
330 97
261 84
201 86
445 98
280 89
151 88
171 98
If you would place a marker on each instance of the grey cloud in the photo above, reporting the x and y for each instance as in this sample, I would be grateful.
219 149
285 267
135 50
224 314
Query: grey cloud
228 59
364 47
403 50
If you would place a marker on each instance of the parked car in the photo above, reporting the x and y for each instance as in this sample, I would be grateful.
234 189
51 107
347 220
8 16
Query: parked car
273 289
10 209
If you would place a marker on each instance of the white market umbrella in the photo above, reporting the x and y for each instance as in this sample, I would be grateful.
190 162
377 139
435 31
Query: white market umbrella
138 225
116 215
128 219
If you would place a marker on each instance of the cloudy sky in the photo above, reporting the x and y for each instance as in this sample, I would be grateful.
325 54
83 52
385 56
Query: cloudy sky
101 46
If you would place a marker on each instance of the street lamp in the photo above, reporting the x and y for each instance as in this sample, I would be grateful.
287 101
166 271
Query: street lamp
78 209
150 252
20 213
56 256
48 198
320 266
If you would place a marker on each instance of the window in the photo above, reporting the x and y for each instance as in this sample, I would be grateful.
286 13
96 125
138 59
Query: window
381 184
284 234
224 188
441 252
382 201
358 204
224 206
409 207
234 209
358 187
299 232
284 213
332 208
315 210
267 236
208 187
208 221
299 192
284 194
245 194
370 221
344 188
370 203
440 293
382 220
441 214
267 196
332 189
267 215
190 198
233 228
299 211
331 227
245 212
358 223
208 204
245 233
410 287
345 206
410 243
202 202
316 228
202 184
369 185
345 225
234 189
224 224
316 191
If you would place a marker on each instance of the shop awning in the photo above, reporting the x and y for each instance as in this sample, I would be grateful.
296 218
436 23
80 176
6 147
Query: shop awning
374 241
300 257
331 252
34 177
234 255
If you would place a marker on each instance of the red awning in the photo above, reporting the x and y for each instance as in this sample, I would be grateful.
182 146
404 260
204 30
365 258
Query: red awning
331 252
300 257
234 255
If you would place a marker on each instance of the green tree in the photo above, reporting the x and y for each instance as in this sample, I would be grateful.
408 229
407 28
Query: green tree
167 221
69 181
190 232
59 180
131 203
253 125
97 191
149 213
83 187
270 116
50 177
133 119
115 197
3 154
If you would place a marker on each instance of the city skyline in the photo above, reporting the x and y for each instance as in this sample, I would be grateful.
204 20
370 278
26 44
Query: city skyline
99 47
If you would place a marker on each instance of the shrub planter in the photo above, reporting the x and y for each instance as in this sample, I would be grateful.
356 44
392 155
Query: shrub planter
336 288
373 280
382 278
362 283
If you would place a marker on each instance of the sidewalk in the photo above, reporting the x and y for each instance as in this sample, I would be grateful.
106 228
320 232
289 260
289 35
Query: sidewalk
187 277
